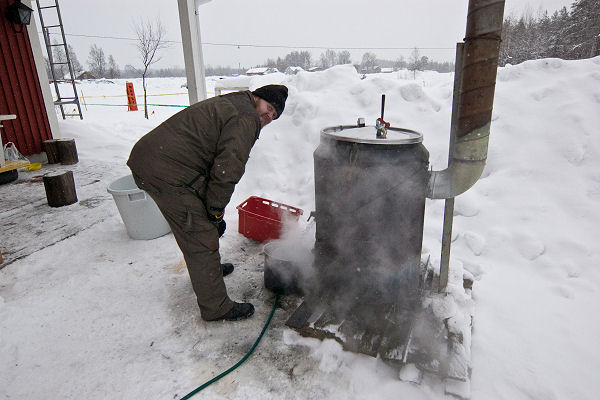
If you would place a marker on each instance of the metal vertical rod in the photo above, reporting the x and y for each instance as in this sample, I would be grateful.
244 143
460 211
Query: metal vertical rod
449 203
382 105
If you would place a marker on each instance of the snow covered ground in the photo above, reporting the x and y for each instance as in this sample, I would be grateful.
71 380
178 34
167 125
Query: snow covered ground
101 316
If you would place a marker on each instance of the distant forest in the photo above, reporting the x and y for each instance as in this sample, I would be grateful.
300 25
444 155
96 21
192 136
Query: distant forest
567 34
369 63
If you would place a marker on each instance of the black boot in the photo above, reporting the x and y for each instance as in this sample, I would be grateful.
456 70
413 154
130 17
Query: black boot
227 268
237 312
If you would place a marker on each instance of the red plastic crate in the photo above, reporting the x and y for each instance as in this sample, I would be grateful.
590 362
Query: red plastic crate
260 219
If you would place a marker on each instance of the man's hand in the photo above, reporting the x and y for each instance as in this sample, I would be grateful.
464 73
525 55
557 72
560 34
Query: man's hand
218 221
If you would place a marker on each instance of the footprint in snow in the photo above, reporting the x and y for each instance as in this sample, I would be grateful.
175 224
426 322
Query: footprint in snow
529 246
475 242
564 292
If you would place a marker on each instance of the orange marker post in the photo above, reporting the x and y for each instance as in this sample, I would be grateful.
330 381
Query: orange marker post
131 102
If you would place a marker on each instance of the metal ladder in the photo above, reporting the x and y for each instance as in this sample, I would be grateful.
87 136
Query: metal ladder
60 101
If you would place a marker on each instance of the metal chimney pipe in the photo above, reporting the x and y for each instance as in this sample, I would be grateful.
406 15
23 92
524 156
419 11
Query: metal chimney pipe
480 63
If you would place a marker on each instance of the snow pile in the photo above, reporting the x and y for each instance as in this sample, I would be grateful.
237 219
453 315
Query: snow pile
101 316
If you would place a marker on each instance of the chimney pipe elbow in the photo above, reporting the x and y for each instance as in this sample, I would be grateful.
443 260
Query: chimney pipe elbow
454 180
466 165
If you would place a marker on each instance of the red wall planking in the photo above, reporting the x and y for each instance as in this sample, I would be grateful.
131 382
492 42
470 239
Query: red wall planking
20 91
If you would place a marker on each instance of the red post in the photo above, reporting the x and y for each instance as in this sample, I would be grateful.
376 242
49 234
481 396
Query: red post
131 102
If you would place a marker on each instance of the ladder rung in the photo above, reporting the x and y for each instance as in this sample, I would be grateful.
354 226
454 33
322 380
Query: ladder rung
57 63
52 26
41 8
57 44
60 102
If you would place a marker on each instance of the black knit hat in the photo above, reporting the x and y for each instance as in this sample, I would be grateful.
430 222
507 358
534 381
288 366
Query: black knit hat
274 94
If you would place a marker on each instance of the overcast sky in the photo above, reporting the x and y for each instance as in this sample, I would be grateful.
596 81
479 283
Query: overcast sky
434 26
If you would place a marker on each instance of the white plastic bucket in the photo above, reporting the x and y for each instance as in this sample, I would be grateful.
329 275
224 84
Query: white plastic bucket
140 214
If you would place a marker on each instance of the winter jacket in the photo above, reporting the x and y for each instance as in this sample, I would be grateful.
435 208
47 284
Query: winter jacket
204 147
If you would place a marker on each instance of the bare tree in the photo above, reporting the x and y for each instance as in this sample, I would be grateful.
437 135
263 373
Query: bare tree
416 62
272 63
368 62
113 68
344 57
328 59
400 63
58 56
151 36
77 68
129 71
48 71
96 61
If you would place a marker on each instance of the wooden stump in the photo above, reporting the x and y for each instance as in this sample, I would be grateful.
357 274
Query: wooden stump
67 151
60 189
51 149
61 151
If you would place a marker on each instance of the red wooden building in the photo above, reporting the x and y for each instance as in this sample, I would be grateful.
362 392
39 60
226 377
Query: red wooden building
24 88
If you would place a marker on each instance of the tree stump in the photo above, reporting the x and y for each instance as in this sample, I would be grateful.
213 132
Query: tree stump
51 149
67 152
60 189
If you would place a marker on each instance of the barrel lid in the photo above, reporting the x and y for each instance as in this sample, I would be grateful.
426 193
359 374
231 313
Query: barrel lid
368 134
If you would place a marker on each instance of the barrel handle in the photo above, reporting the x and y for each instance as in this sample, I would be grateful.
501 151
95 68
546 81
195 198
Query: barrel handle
138 196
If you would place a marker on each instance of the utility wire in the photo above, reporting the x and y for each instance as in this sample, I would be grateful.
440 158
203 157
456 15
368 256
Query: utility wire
238 45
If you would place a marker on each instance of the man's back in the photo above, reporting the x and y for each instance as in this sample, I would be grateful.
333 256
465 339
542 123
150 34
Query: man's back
185 147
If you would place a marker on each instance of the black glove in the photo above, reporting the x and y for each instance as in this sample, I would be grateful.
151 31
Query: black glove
218 221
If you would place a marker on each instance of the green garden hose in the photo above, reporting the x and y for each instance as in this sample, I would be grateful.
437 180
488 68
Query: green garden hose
213 380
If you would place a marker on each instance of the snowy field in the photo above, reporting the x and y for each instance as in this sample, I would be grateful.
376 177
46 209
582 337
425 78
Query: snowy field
101 316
